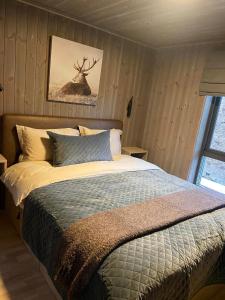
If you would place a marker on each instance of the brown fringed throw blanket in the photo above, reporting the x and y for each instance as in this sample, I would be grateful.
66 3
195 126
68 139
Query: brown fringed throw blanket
87 242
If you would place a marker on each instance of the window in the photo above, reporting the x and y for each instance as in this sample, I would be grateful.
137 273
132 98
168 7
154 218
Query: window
211 168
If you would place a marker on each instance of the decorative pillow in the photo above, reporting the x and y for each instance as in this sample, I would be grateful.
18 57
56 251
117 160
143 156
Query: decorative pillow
35 143
115 142
71 150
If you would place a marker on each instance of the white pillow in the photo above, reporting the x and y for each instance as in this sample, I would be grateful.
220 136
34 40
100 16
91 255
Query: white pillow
115 142
35 143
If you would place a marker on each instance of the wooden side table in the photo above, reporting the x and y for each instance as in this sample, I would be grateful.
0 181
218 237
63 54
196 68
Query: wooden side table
3 166
136 152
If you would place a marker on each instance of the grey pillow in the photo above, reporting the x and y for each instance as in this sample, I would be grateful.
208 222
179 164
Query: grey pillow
70 150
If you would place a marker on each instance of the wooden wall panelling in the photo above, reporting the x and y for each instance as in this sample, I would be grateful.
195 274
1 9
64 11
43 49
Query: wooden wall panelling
129 84
122 92
159 110
21 51
150 135
113 76
192 107
105 86
70 36
176 117
175 108
52 25
31 56
135 66
24 58
2 49
142 92
61 32
51 107
197 110
164 85
180 114
135 89
9 57
41 63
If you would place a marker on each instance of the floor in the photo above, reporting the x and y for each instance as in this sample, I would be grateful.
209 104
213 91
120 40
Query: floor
21 279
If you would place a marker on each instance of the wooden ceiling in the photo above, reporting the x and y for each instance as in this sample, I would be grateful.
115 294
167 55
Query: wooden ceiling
156 23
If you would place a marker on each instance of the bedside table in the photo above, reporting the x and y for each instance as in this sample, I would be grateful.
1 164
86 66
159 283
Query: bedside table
136 152
3 166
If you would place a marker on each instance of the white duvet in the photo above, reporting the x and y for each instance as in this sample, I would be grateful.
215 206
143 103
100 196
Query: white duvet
24 177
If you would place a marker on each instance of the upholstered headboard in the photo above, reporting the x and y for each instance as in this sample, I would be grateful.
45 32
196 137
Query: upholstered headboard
9 141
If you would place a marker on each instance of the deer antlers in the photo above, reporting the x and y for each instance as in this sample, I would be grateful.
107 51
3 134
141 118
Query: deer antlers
81 68
90 66
78 67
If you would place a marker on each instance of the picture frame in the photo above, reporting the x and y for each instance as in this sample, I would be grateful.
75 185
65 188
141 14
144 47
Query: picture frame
74 72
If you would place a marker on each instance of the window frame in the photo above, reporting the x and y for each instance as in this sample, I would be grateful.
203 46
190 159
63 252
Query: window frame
206 150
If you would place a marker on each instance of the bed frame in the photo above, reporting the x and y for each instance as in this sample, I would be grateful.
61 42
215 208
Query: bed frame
10 147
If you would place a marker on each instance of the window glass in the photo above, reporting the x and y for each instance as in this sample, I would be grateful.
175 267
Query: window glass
212 174
218 137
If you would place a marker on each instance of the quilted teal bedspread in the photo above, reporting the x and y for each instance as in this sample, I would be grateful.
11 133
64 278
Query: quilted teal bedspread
171 264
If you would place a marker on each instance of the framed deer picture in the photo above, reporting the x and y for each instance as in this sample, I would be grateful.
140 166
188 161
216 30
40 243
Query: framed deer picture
74 73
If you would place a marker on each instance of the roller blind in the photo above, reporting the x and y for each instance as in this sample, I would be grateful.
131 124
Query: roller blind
213 77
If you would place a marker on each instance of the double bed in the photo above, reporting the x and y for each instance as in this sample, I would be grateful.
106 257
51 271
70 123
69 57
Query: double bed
172 260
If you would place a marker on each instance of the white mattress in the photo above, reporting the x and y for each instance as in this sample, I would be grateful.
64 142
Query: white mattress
24 177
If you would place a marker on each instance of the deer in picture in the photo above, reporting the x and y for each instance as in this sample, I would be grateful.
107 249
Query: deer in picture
80 86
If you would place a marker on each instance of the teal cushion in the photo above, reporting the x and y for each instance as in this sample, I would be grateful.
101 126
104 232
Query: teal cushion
70 150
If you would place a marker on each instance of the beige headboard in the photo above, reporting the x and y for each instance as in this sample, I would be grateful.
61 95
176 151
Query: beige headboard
9 141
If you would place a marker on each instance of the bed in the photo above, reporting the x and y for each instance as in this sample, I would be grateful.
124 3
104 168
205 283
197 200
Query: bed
172 261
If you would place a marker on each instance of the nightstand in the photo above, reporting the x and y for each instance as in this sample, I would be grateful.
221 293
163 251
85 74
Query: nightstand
136 152
3 166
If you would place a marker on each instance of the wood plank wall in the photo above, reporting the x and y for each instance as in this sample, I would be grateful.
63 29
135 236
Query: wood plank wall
175 108
24 48
167 108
